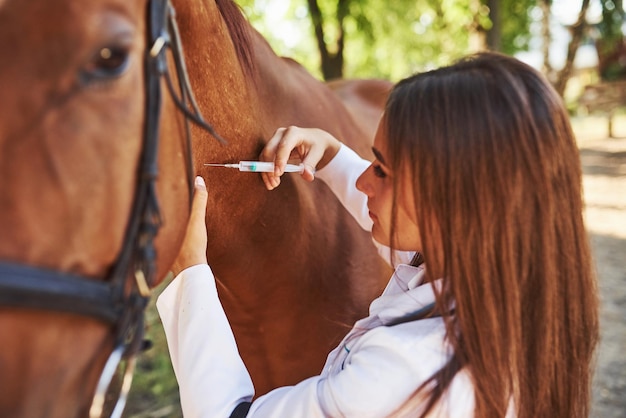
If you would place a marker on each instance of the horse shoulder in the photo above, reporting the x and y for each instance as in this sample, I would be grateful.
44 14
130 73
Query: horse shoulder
364 98
349 109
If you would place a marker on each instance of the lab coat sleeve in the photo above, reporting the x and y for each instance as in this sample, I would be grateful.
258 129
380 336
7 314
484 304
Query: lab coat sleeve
379 375
340 174
211 376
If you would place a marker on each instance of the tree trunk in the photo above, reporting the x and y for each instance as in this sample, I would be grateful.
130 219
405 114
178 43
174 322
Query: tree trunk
577 31
331 63
494 35
546 39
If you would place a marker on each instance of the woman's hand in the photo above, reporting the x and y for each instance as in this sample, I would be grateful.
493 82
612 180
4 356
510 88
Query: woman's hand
193 250
314 147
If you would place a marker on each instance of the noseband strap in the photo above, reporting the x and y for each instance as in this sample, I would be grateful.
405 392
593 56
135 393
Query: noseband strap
33 288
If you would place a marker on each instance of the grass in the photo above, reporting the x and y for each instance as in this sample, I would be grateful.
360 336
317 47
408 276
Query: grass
154 393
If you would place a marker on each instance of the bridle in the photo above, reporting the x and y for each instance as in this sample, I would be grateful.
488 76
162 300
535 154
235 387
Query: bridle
120 301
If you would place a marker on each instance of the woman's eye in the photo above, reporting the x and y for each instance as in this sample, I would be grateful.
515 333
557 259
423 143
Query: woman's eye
107 63
378 171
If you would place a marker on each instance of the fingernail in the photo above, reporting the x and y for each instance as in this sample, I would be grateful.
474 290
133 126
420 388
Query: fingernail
200 181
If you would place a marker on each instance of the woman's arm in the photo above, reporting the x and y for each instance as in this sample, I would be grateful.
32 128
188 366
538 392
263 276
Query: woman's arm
383 369
340 174
337 165
211 376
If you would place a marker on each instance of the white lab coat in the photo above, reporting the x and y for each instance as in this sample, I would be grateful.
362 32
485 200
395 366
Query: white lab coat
372 373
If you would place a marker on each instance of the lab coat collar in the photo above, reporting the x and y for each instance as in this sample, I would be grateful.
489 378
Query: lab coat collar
405 294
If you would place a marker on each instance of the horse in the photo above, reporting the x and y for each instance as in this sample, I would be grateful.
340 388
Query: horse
80 204
79 186
294 270
364 99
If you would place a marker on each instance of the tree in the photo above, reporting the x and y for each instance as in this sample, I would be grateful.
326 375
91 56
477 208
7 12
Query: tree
577 31
546 37
503 25
331 62
393 39
515 22
610 41
494 34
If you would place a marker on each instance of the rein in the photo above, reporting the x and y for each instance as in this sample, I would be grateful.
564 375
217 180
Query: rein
120 301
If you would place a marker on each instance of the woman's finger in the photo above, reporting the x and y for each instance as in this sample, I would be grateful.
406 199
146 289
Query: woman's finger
193 248
198 205
293 139
309 144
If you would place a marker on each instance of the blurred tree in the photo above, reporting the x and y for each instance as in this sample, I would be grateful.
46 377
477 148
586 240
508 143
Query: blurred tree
546 38
379 38
610 41
494 34
331 61
507 27
515 24
577 31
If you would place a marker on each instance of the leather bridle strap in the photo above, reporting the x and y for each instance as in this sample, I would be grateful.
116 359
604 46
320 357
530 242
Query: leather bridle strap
186 103
29 287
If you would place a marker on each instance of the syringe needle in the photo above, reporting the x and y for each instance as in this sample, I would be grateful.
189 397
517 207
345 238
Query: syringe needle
223 165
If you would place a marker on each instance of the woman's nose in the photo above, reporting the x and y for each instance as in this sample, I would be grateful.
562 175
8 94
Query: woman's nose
364 184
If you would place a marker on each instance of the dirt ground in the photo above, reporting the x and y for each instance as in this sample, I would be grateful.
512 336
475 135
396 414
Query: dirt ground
604 167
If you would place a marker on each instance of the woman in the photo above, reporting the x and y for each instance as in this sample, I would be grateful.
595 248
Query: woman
476 171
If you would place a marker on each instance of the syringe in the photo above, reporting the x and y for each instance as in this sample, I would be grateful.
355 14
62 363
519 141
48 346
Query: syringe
260 167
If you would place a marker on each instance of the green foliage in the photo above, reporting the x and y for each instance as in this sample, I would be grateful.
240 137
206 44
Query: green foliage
388 39
610 26
516 22
610 41
404 37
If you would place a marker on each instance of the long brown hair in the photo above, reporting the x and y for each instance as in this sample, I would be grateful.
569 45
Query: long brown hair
495 170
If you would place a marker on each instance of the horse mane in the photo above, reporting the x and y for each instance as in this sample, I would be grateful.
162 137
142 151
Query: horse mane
237 25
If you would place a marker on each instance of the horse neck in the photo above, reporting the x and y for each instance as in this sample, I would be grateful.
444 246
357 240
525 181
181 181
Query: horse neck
216 76
246 105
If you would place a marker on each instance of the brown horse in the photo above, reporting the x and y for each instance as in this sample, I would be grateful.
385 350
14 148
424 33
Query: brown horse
73 106
294 268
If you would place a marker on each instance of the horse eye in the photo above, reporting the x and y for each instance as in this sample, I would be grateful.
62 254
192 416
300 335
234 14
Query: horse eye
107 63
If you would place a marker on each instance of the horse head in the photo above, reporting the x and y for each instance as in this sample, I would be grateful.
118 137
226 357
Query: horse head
85 185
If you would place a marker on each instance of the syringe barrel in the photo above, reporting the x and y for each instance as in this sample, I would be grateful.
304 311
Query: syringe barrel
256 166
268 167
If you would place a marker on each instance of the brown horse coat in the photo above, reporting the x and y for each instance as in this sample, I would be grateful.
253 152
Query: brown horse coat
294 269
